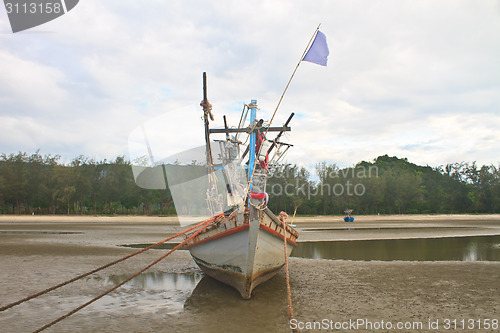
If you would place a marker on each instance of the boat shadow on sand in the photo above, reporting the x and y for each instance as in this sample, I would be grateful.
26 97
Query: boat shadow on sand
214 302
193 297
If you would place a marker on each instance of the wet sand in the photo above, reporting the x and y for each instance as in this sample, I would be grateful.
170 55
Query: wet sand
38 252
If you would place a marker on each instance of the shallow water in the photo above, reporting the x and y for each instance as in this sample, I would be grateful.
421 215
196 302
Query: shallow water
150 292
40 233
194 295
175 293
470 248
475 248
337 229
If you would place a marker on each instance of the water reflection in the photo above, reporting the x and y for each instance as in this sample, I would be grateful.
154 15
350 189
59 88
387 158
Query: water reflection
160 281
193 298
151 292
477 248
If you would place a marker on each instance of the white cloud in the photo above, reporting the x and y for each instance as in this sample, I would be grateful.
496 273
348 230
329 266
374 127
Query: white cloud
28 86
413 79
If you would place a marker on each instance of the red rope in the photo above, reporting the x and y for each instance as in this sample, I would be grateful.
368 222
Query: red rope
203 225
8 306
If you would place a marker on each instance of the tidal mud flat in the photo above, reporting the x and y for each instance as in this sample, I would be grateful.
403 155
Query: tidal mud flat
39 252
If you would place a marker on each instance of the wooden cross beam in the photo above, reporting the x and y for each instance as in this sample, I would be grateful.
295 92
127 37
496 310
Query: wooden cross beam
248 130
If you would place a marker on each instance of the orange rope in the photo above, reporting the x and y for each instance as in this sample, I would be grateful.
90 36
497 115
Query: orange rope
204 224
288 289
8 306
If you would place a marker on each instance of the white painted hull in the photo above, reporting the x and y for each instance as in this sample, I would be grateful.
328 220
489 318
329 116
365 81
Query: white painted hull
243 254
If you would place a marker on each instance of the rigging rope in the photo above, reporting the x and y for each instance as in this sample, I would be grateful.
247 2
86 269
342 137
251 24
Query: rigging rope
242 119
203 225
8 306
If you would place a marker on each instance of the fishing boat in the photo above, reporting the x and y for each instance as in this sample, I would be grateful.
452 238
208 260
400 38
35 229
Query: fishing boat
244 247
348 217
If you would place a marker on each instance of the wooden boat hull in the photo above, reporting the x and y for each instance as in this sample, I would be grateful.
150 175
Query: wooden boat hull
243 254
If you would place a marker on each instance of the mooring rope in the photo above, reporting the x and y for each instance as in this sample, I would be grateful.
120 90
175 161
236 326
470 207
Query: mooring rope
8 306
288 289
203 225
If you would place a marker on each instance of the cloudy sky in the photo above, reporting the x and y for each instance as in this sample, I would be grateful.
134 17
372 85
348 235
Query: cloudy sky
415 79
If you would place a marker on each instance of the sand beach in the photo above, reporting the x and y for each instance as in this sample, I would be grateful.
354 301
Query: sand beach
37 252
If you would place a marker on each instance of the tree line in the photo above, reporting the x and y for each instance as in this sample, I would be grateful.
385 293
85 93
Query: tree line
36 184
388 185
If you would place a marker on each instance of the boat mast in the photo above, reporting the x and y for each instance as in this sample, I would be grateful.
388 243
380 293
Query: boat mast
251 145
207 108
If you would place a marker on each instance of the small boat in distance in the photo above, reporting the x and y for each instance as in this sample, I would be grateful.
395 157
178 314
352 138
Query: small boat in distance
245 245
348 217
